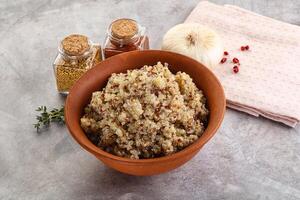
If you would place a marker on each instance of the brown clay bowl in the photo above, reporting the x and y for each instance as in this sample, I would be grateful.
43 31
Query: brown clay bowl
96 78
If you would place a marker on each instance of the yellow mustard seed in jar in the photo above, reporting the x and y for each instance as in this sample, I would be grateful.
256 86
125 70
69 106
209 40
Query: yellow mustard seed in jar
77 54
67 76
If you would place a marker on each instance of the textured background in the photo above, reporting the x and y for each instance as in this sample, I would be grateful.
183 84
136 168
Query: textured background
249 158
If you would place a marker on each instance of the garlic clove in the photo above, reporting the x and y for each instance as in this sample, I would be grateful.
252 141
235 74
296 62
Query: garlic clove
196 41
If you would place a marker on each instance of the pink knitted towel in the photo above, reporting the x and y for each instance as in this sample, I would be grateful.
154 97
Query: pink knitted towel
268 83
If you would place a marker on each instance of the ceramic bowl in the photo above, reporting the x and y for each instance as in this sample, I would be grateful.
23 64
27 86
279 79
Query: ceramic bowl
96 78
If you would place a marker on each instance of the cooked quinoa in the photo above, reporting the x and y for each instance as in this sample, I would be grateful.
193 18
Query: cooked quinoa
146 113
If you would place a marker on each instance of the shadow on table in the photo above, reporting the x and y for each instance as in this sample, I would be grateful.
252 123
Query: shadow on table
111 184
136 180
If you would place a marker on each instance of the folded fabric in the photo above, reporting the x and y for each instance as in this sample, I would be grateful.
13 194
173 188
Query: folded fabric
268 82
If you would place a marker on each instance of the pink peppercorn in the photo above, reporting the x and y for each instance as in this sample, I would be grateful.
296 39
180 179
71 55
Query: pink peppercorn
223 60
235 60
235 69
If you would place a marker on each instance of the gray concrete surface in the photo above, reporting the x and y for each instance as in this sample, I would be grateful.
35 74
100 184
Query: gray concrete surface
249 158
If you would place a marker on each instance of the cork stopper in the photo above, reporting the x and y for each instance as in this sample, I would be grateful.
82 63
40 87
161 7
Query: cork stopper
124 28
75 45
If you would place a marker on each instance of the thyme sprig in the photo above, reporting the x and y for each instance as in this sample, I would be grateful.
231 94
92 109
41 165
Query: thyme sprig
46 117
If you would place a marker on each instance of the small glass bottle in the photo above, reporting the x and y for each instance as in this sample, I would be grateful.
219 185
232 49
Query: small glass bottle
124 35
76 55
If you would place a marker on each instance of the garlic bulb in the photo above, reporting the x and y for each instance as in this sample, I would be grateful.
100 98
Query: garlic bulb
196 41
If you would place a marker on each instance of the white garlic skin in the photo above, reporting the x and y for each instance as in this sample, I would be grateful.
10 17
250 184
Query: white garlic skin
196 41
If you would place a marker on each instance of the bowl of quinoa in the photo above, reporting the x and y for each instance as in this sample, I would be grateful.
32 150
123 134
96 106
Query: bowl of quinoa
145 112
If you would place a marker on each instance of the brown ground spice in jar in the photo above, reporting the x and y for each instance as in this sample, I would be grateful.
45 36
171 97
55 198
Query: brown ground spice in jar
124 35
124 28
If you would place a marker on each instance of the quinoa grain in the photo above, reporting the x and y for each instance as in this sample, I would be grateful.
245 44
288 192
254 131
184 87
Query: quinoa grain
146 113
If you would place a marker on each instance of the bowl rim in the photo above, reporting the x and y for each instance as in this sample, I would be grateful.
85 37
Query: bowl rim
98 152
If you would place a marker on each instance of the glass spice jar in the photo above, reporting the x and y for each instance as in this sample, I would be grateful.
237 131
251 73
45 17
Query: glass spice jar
124 35
76 55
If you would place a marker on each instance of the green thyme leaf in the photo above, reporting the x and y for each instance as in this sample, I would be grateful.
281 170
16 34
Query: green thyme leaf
45 118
